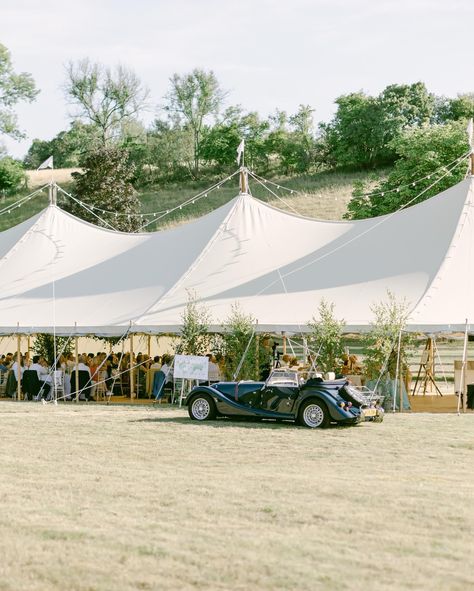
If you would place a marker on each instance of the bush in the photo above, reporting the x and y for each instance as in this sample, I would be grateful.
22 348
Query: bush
12 176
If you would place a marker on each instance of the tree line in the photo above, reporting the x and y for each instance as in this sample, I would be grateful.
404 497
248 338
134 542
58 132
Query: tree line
405 129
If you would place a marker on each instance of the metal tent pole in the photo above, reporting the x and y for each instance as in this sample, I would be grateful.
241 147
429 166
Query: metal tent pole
463 373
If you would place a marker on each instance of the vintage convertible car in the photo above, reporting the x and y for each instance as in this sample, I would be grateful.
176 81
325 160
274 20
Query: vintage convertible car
285 396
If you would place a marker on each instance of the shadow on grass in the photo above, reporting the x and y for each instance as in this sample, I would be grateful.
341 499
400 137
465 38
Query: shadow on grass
240 422
223 422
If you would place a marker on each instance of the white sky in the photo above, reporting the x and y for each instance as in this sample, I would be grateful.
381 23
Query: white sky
268 53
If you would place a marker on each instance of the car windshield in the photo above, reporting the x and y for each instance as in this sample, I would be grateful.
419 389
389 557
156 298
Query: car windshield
283 378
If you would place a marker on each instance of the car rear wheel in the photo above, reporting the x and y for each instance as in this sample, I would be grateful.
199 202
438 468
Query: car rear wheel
314 414
202 408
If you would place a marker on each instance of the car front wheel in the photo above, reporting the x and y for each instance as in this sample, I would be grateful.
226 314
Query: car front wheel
314 414
202 408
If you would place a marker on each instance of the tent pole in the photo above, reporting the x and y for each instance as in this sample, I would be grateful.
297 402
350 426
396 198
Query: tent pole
397 371
18 362
132 393
244 181
76 351
463 374
284 343
149 346
305 350
257 353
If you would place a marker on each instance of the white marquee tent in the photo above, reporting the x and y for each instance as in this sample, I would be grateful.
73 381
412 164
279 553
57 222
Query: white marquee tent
58 271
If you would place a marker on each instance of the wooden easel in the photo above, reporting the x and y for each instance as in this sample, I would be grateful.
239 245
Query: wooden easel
427 367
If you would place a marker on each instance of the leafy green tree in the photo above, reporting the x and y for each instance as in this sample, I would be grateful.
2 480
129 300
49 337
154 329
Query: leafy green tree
14 88
296 147
170 151
194 338
455 109
12 176
240 346
106 183
193 98
68 148
381 343
325 338
423 154
44 346
105 97
362 131
219 142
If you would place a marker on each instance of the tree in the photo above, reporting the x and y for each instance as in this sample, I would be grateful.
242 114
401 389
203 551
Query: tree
13 89
194 335
68 147
293 141
44 346
103 96
169 151
381 343
362 131
326 338
219 142
239 346
455 109
423 154
106 184
12 176
193 98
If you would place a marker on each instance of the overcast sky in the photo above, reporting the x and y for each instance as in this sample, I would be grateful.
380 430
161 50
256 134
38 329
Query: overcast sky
267 53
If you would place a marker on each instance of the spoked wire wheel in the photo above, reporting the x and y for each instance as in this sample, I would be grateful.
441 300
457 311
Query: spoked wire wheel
314 414
202 408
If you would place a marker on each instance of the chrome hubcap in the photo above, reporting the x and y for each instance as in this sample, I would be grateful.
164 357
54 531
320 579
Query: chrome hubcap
200 409
313 415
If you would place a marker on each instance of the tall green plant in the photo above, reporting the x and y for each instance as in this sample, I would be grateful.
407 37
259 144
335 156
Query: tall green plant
326 338
194 337
390 317
44 346
238 337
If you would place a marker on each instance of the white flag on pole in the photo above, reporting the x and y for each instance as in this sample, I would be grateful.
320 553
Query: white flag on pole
48 163
470 132
240 150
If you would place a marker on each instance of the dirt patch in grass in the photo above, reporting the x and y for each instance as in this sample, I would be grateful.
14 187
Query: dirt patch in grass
96 497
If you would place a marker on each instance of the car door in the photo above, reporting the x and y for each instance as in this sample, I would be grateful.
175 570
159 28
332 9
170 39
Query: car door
279 399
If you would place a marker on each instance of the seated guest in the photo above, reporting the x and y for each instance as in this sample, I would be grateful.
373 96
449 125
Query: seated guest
9 360
14 367
83 364
39 365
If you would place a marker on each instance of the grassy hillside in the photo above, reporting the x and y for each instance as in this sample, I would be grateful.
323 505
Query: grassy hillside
323 195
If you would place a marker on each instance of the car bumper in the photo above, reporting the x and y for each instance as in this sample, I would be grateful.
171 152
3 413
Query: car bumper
374 414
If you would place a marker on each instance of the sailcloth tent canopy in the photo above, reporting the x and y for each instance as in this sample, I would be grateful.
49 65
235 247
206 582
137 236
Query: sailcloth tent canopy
61 273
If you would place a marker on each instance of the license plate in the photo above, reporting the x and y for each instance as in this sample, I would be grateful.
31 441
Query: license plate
370 412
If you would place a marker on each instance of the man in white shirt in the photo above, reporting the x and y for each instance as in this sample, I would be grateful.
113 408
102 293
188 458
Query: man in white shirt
38 365
82 366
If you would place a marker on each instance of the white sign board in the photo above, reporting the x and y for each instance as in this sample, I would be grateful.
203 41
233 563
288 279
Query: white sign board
191 367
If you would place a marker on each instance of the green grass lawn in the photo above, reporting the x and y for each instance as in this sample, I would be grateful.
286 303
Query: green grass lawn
323 195
126 498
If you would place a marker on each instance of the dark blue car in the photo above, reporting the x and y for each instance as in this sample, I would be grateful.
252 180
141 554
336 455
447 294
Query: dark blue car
284 396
